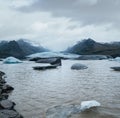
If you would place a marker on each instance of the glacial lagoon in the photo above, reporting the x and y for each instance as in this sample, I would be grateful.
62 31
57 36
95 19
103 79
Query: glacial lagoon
37 91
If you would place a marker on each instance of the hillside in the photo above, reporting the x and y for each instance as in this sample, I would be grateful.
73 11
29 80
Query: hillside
91 47
11 49
29 48
18 49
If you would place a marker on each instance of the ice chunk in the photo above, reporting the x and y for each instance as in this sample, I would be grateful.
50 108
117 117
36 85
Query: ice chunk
89 104
11 60
117 59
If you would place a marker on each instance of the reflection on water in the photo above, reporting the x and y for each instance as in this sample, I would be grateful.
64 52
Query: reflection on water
36 91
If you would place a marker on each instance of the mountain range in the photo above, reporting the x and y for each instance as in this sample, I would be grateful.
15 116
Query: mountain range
21 48
18 49
91 47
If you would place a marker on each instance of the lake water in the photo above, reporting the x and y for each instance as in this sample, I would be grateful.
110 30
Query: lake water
37 91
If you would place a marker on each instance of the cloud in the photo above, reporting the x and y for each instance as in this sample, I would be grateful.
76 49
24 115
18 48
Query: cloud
85 11
22 3
86 2
57 24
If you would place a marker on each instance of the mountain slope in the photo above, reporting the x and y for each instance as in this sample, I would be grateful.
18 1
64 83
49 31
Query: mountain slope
18 49
28 48
11 49
90 47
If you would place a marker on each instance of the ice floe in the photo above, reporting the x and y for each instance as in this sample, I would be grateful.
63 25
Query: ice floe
11 60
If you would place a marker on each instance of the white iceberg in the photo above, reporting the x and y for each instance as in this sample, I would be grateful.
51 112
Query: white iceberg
89 104
11 60
117 59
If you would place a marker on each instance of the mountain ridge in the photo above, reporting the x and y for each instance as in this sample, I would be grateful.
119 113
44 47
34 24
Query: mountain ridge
91 47
18 49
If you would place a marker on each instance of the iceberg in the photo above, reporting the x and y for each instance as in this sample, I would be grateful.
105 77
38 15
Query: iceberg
89 104
11 60
117 59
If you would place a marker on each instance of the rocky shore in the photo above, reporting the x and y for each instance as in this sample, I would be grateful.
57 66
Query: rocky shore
6 106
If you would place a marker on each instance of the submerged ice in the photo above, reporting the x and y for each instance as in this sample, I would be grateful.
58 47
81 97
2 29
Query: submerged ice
65 111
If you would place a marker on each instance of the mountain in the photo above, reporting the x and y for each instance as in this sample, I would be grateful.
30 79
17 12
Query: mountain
29 48
11 49
91 47
18 49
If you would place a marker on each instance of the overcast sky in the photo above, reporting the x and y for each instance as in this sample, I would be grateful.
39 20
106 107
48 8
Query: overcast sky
57 24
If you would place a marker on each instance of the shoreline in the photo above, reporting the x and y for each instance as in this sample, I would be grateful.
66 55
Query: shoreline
6 106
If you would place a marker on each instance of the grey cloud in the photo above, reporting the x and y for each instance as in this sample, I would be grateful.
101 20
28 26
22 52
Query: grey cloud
71 21
85 11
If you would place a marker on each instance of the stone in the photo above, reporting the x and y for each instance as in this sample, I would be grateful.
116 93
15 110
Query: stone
7 88
46 60
44 67
57 62
4 96
116 68
2 81
2 73
7 104
0 90
52 61
9 114
78 66
93 57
